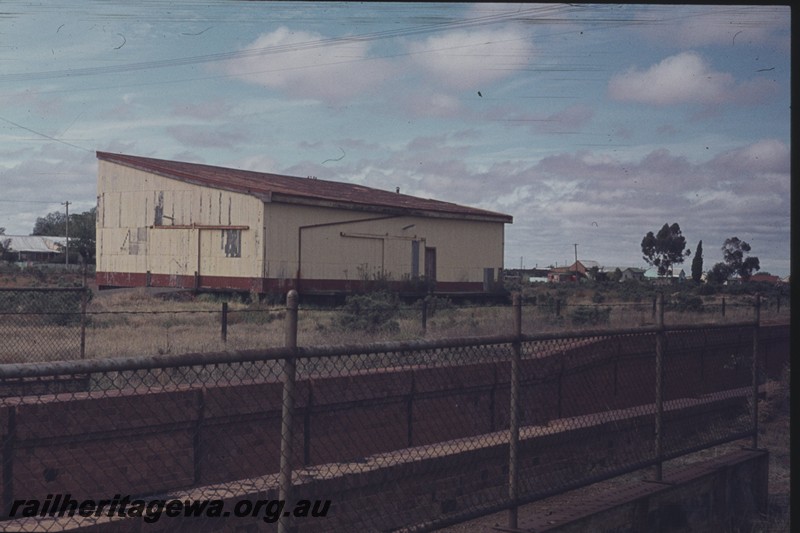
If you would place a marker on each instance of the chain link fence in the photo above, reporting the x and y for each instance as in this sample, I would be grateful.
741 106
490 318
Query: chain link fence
75 323
42 323
380 436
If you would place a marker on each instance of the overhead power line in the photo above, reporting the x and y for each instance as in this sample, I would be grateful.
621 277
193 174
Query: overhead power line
49 137
524 15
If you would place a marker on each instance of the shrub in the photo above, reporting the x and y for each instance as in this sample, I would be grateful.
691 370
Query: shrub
590 315
706 289
552 304
683 302
738 289
438 303
371 312
635 291
59 308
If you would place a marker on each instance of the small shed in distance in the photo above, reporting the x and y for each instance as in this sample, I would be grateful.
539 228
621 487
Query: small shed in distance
177 224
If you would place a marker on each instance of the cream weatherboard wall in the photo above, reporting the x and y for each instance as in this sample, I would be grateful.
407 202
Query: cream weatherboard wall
341 244
164 231
144 225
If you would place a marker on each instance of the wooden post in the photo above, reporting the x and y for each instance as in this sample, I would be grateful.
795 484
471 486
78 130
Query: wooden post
224 320
289 371
425 315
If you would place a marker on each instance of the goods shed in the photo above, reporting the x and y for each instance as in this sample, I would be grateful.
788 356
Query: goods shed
177 224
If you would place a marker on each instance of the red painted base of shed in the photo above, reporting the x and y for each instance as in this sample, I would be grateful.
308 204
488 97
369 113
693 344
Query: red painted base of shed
274 285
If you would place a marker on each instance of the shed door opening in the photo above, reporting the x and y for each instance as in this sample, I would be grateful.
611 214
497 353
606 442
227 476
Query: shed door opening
488 279
430 264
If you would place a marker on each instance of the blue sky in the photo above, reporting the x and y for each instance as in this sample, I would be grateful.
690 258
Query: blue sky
590 124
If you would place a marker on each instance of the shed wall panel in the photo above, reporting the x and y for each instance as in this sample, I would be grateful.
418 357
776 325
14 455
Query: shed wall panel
136 209
336 244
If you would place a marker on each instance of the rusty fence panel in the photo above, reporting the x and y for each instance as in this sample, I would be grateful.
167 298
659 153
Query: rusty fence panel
395 435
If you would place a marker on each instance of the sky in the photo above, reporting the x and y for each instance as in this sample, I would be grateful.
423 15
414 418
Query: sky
589 124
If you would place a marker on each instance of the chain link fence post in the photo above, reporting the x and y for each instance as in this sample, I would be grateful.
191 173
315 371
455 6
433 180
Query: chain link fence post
425 315
289 371
224 321
513 438
659 430
84 302
756 326
653 313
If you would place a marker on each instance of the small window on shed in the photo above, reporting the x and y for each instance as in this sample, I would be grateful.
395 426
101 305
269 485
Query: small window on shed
232 242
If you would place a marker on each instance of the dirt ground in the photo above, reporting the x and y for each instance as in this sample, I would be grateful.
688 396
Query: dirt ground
773 436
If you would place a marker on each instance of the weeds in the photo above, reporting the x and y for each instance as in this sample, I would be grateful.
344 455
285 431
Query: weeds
585 315
372 312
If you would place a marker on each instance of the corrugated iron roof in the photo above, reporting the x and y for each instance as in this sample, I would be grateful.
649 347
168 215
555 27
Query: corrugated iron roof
765 277
34 243
291 189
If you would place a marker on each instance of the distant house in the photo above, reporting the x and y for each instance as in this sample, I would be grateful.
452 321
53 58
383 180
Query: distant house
562 274
583 269
672 276
766 278
587 269
631 273
538 275
34 248
586 265
525 275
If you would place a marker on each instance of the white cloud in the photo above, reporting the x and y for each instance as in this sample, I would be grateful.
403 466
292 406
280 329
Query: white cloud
682 78
765 156
307 65
469 59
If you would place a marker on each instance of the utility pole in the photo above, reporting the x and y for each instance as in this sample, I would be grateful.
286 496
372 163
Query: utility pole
66 258
576 261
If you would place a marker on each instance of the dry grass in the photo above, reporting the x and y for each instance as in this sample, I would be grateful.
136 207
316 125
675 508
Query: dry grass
138 322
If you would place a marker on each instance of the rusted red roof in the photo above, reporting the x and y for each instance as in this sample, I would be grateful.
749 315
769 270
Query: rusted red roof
278 188
769 278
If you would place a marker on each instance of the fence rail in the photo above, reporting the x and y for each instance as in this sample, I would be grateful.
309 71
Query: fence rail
425 433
